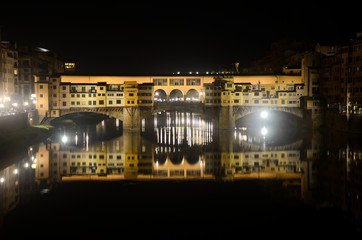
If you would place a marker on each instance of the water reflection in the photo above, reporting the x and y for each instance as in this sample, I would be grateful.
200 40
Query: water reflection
317 169
182 128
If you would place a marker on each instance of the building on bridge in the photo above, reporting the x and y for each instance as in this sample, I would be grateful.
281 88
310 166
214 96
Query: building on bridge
53 95
57 95
226 92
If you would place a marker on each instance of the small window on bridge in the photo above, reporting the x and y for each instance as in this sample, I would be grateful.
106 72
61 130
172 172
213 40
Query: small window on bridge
193 81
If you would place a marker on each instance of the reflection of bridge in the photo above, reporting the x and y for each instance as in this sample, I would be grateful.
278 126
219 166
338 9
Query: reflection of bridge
222 117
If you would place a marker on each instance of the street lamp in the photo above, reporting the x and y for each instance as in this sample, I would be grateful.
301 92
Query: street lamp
64 139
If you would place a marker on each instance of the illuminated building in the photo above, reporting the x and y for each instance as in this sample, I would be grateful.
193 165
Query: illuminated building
67 91
54 95
284 91
8 69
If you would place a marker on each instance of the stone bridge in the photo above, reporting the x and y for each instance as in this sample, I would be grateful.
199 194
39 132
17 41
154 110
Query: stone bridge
223 117
242 111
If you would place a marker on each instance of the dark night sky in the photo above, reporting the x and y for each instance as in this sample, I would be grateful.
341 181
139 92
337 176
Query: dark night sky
109 37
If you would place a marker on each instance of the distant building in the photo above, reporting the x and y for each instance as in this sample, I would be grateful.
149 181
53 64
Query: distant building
333 73
35 61
8 70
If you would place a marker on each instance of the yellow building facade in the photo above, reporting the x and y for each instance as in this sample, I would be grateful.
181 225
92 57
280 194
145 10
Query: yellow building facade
55 93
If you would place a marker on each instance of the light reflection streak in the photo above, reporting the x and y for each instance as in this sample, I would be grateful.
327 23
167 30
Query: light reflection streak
187 128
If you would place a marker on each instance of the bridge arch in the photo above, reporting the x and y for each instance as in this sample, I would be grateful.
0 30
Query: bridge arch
176 95
271 116
160 95
192 95
243 111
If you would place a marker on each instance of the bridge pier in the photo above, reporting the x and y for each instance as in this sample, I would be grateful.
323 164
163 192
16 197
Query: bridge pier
131 118
226 118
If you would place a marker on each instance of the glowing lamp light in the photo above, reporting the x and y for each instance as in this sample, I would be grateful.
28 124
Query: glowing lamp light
264 114
64 139
264 131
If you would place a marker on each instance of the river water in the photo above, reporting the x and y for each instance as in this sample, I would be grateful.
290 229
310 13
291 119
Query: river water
181 174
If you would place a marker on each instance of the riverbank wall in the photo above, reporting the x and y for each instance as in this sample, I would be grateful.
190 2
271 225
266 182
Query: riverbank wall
18 121
14 122
335 121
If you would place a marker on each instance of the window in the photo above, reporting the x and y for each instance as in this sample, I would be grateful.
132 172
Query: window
193 81
131 94
177 82
110 102
101 102
40 86
160 81
118 101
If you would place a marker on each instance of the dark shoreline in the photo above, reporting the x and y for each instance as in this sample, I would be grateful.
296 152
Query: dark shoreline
16 143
